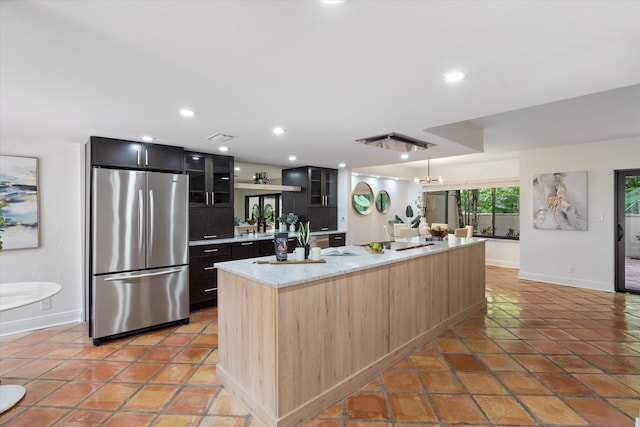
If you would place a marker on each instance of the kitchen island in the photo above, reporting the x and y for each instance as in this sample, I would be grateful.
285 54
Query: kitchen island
296 338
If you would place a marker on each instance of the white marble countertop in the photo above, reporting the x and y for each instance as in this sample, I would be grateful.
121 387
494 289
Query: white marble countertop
18 294
283 275
248 237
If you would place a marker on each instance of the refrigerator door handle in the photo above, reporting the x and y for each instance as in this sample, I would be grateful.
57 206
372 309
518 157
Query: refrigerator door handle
155 273
140 222
138 157
151 224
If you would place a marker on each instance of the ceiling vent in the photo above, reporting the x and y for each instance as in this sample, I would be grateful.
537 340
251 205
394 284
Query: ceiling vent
397 142
219 137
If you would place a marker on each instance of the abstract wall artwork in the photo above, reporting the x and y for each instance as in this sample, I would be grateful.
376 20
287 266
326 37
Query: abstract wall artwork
18 202
560 201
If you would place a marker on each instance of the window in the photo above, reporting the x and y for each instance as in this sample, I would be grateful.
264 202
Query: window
492 211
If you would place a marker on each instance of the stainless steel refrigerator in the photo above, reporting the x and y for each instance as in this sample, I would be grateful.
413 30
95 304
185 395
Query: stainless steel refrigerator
139 251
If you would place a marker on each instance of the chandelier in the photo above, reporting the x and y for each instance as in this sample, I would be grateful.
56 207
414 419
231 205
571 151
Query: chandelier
428 179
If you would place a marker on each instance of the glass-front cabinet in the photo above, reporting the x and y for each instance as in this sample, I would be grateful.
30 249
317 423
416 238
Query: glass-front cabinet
323 187
210 180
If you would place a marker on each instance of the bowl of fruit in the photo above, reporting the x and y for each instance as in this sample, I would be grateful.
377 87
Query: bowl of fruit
375 248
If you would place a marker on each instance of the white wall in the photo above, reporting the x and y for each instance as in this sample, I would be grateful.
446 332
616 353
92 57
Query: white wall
366 228
59 257
546 255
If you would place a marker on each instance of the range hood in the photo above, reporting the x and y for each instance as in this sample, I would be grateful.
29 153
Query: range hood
397 142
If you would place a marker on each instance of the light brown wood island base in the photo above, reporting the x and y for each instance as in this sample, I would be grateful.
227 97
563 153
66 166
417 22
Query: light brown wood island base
295 339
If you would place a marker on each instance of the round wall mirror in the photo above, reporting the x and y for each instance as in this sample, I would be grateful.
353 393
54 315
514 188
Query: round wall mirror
362 198
383 201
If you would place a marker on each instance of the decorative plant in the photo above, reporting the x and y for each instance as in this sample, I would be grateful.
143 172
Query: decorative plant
303 234
290 218
415 222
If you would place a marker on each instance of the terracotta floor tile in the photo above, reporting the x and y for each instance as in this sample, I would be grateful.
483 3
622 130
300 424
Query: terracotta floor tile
373 385
396 380
129 419
551 410
598 412
464 362
564 384
499 333
225 404
323 423
174 373
160 354
632 381
35 368
403 364
37 350
110 396
191 355
504 410
148 339
481 383
170 420
536 363
33 417
369 406
482 346
557 334
205 374
626 405
580 347
411 407
128 353
611 364
70 394
515 346
453 345
102 371
427 348
522 383
150 398
223 421
68 370
81 417
96 353
205 340
37 389
457 409
192 400
177 340
548 347
335 411
574 364
615 348
368 424
500 362
429 362
138 372
466 332
605 385
441 382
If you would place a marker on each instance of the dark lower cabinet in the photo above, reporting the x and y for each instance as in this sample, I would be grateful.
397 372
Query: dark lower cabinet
203 277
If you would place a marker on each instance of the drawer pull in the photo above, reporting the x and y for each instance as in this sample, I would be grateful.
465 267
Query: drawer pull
209 268
210 250
326 239
246 244
338 238
324 228
211 289
211 236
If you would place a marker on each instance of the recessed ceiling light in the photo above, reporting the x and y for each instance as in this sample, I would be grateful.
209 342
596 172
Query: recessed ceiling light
223 149
185 112
278 130
146 138
332 1
236 168
292 158
404 156
454 76
341 165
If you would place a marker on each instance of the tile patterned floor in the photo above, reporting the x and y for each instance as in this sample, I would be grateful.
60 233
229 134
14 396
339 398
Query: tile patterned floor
540 355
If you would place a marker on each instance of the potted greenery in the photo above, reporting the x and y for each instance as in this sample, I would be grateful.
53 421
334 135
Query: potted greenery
303 238
290 219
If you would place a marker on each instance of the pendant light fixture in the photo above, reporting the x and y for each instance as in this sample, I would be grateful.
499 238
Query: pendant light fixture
428 179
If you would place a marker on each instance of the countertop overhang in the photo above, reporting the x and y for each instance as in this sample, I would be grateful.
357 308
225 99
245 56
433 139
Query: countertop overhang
284 275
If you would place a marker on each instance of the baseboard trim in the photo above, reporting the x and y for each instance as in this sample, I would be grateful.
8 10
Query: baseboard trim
567 281
39 322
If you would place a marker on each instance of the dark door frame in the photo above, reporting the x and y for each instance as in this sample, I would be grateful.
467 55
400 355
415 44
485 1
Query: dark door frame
619 228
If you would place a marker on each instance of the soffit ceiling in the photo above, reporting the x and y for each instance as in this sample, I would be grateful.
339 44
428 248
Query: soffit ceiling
539 74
